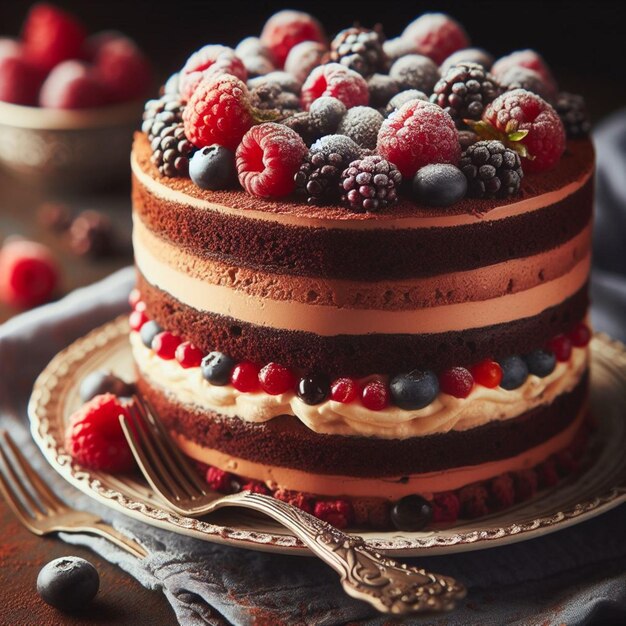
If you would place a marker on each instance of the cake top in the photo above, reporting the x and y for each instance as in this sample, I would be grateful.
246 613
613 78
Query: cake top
418 124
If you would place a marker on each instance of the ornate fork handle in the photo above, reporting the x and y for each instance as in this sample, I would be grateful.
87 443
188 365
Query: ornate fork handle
389 586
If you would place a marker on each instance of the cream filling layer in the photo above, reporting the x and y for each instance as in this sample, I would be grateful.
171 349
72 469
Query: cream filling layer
390 488
444 414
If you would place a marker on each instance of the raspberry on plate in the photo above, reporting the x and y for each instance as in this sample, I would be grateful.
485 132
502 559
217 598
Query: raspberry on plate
94 437
337 81
218 112
417 134
268 158
72 85
436 35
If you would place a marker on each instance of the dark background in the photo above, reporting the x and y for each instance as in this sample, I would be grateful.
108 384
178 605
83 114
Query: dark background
584 42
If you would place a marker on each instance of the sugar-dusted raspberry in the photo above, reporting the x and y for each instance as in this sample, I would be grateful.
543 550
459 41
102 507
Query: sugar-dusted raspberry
164 345
529 59
137 319
94 437
446 507
245 376
303 501
219 480
547 474
287 28
502 490
72 85
561 345
580 335
256 486
338 513
456 381
417 134
268 158
188 355
522 111
474 500
487 373
344 390
436 35
525 482
209 62
375 395
276 379
336 81
525 78
303 57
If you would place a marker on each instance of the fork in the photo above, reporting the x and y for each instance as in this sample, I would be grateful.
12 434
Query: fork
39 509
365 574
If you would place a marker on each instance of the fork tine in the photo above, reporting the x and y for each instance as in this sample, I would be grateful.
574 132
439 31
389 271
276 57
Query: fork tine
17 487
14 502
49 498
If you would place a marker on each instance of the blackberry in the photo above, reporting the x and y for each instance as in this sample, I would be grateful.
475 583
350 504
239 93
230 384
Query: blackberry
171 150
415 71
270 96
162 112
370 183
318 177
492 170
465 91
305 125
361 124
573 113
360 49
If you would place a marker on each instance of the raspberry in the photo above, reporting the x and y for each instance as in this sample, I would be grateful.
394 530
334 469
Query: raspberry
580 335
446 507
525 484
51 35
502 492
28 273
188 355
219 480
268 158
72 85
94 437
209 62
256 486
547 475
528 59
337 81
561 345
436 35
487 373
370 184
137 319
417 134
20 80
276 379
287 28
474 500
245 376
338 513
302 500
303 57
344 390
457 382
520 110
375 395
165 344
218 112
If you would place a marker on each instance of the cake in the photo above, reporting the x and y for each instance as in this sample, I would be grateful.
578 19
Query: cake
379 353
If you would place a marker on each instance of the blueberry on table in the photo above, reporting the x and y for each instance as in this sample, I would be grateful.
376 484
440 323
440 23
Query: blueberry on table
68 583
411 513
414 390
100 382
439 184
213 167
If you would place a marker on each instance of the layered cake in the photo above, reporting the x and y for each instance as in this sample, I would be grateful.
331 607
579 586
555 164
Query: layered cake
362 270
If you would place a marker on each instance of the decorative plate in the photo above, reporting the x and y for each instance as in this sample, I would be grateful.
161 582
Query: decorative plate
601 487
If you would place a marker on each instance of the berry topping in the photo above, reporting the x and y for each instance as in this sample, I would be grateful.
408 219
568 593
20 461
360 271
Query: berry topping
219 480
72 85
418 134
436 35
344 390
94 437
256 486
318 179
492 170
514 372
474 500
313 388
525 78
467 55
487 373
573 113
561 345
188 355
547 475
250 47
440 184
337 81
457 382
375 395
415 390
370 184
68 583
99 382
301 500
446 507
525 482
528 59
276 379
580 335
361 124
171 150
402 98
20 80
213 167
303 57
540 362
326 112
283 80
337 513
339 144
165 344
137 319
148 332
415 71
359 49
382 88
268 158
161 112
217 368
134 297
502 491
245 376
218 112
272 97
411 513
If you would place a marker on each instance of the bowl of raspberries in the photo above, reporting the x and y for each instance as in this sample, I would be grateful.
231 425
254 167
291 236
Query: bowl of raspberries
69 100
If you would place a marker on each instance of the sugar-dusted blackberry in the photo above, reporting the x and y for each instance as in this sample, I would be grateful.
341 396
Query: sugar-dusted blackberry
317 180
404 96
492 170
285 81
305 125
327 112
270 96
573 113
171 150
465 91
525 78
361 124
415 71
162 112
382 88
370 183
360 49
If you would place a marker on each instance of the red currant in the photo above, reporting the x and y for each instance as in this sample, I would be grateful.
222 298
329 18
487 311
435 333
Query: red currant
344 390
245 376
276 379
375 395
580 335
457 382
137 319
133 297
188 355
165 344
140 306
561 346
487 373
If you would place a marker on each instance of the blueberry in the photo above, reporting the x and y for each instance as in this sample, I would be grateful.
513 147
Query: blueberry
414 390
411 513
514 372
104 382
68 583
327 112
541 362
148 332
217 368
213 167
439 184
313 388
